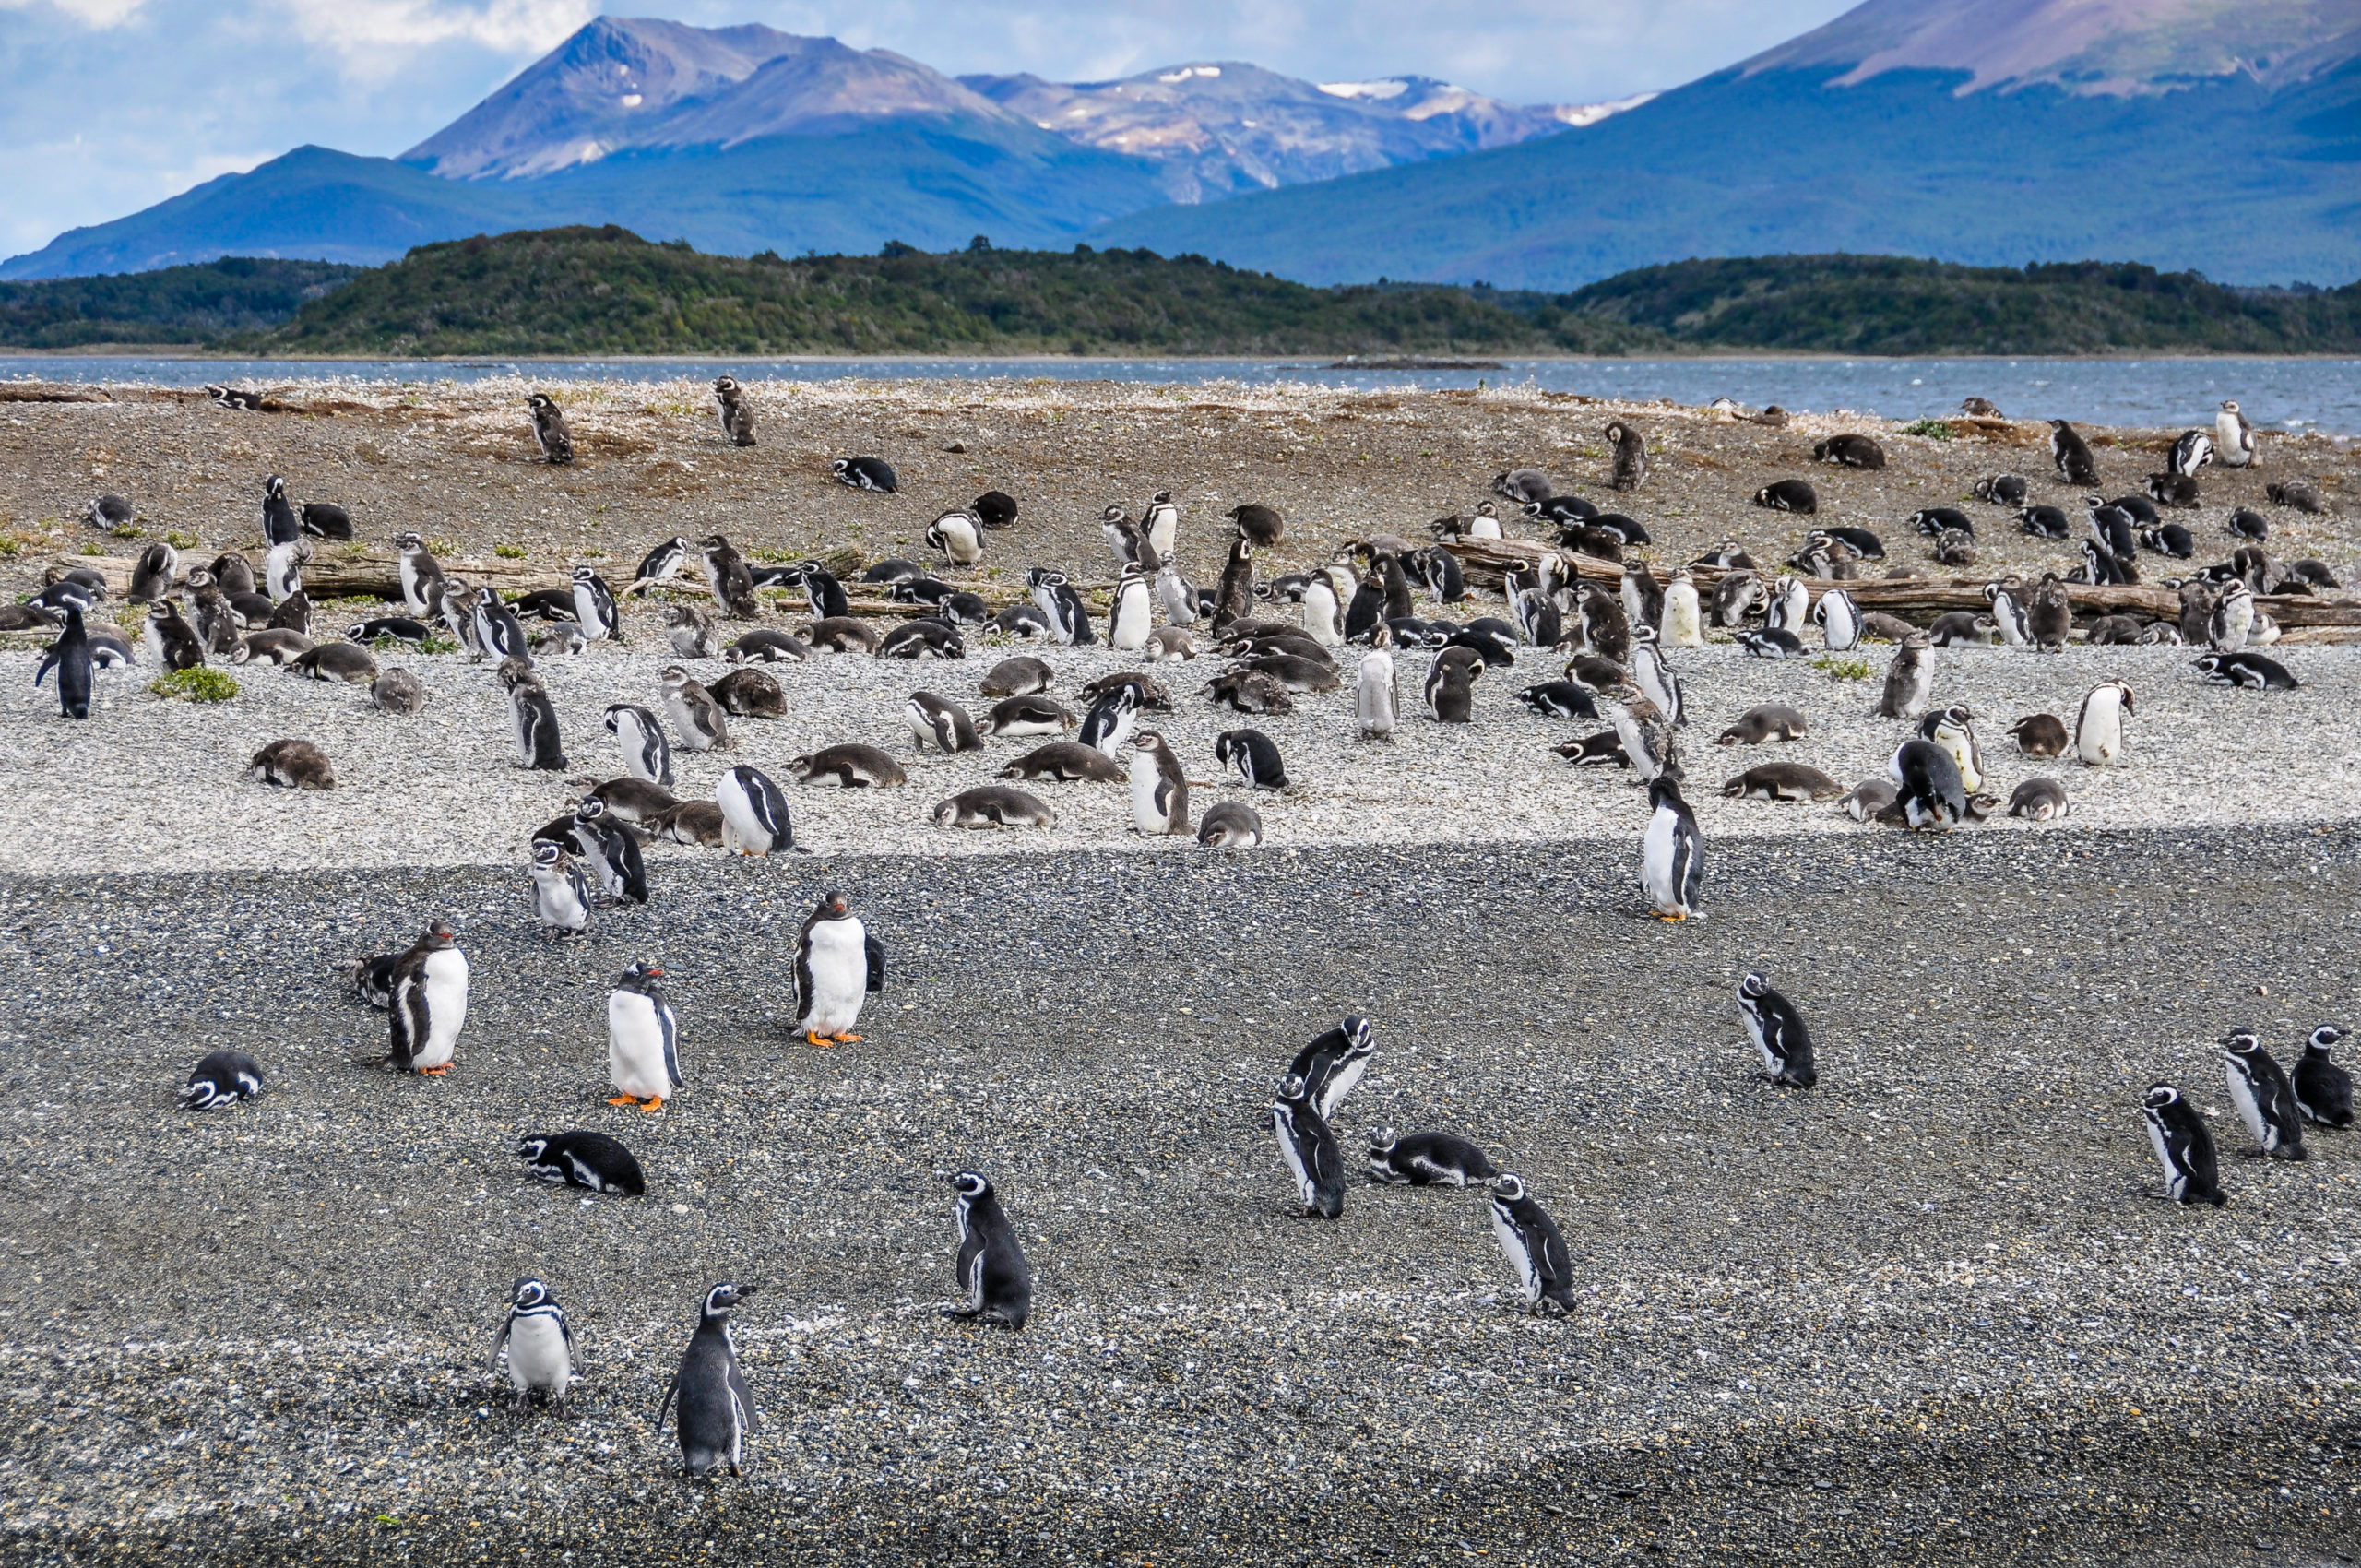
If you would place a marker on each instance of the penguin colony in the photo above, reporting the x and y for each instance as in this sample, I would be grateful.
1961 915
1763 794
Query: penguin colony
1284 635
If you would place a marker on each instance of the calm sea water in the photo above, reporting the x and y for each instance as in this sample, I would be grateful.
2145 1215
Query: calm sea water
2291 394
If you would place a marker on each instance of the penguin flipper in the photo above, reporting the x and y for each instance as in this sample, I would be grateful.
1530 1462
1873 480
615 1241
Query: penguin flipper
49 662
671 1027
876 954
742 1396
499 1343
669 1390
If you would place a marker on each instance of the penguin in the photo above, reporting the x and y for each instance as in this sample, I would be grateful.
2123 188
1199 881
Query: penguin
958 534
1254 754
293 614
1377 695
647 756
531 714
1790 606
1029 715
428 1003
2263 1098
283 570
1234 599
1332 1065
923 637
70 657
659 565
1869 799
220 1080
549 431
872 474
2191 452
1672 859
2039 800
1323 619
2010 615
1953 728
1927 784
693 712
837 964
1788 495
1850 452
717 1407
612 849
729 577
2041 735
1109 723
108 511
1021 676
2252 670
1643 731
1839 620
851 765
1642 600
769 647
280 525
151 579
540 1347
421 573
1160 789
1230 825
292 765
2073 455
690 631
1909 679
1308 1149
1531 1242
642 1040
1601 623
993 805
1426 1160
736 415
822 591
1530 606
942 722
1630 469
1772 642
2001 490
1777 1030
1443 575
1563 699
993 1275
2184 1147
1174 591
2169 539
2233 619
1061 603
1132 613
560 895
627 798
2098 727
754 812
2232 436
592 1161
1783 781
1680 624
1451 685
560 639
1768 722
2323 1091
498 633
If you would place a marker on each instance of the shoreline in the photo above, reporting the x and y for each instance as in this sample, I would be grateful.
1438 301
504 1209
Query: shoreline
183 353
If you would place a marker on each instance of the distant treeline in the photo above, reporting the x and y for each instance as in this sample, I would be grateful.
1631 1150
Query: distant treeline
605 290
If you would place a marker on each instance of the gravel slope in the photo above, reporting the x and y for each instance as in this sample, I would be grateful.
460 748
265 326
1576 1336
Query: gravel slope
1919 1313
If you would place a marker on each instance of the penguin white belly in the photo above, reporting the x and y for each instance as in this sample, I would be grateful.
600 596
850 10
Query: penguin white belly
1306 1188
2175 1181
635 1048
446 1008
839 966
1347 1077
1512 1247
1657 848
1374 698
2242 1097
1320 616
1484 527
1761 1043
975 1281
1146 810
538 1356
1129 633
1680 623
2100 737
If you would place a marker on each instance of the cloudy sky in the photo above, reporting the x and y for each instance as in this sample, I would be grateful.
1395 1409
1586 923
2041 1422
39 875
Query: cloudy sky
115 104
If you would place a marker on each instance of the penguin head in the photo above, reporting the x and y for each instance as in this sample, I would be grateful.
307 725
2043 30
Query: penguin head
1508 1186
590 809
1382 1142
1291 1088
527 1292
723 1296
532 1148
1148 740
1755 986
545 855
638 976
2160 1096
198 1095
833 906
674 677
275 487
2321 1039
1665 791
1361 1035
438 937
1113 513
724 385
2208 664
2241 1044
970 1183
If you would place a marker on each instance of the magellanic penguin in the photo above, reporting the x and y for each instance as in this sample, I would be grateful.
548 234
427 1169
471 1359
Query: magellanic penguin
837 964
592 1161
540 1347
561 895
1307 1148
531 715
1953 728
1426 1160
958 534
754 812
1777 1030
1159 787
2073 455
1927 787
1839 620
730 580
642 1040
429 1003
1531 1242
612 849
220 1080
1254 754
1062 602
1176 593
2184 1147
993 1275
549 431
70 657
1654 677
2264 1098
1644 733
647 756
1672 861
1909 679
2233 619
1131 615
2323 1091
693 712
942 722
736 414
717 1407
594 607
1334 1063
2098 727
1630 463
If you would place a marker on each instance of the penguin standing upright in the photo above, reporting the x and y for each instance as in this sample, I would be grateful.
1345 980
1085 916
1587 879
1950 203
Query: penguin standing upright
1162 524
647 756
2232 436
1377 695
1323 617
2264 1098
993 1275
1777 1030
1132 613
717 1407
1909 679
540 1347
561 895
422 576
1531 1242
754 812
2073 455
736 414
1643 600
2098 727
2233 619
1839 620
2184 1147
1672 859
1681 623
1953 728
1927 787
1307 1148
728 575
550 429
533 718
702 724
1630 464
70 657
594 607
642 1040
1175 592
169 640
429 1003
1234 599
1159 787
837 964
1654 677
612 849
279 524
1062 602
2323 1091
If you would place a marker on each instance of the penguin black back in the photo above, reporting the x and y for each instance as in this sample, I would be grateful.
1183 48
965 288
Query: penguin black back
70 657
717 1407
993 1275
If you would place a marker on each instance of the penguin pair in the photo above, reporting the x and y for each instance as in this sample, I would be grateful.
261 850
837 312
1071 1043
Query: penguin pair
426 1003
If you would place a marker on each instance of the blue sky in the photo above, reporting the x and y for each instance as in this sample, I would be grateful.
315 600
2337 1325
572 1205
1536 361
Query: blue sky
116 105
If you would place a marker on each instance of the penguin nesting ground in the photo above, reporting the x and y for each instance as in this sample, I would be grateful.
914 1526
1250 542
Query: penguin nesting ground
1160 787
592 1161
428 1003
2184 1146
1776 1028
220 1080
1531 1242
716 1409
550 429
993 1275
293 764
2323 1091
1672 861
642 1040
754 818
2265 1101
540 1347
1307 1148
837 964
1426 1160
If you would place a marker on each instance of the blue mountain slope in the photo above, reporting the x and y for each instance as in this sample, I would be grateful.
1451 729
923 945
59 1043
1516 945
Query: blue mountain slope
2225 176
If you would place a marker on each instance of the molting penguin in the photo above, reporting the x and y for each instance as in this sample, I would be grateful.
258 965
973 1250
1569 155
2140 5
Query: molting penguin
550 432
1377 695
1159 787
737 415
429 1005
993 1275
1630 464
220 1080
1426 1160
1777 1030
2232 436
1680 624
754 812
533 717
2323 1091
717 1407
642 1040
2263 1098
2184 1147
729 577
2049 619
1307 1148
693 712
2073 455
837 964
540 1347
1531 1242
1909 679
1672 861
2098 727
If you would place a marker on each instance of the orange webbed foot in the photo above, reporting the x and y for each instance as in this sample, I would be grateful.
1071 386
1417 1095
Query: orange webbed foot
818 1041
849 1039
652 1106
433 1072
623 1099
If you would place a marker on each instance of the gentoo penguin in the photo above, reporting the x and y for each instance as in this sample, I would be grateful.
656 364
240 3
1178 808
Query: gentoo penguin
539 1345
592 1161
280 525
942 722
1909 679
642 1040
1530 1240
1109 723
874 474
2191 452
1777 1030
2263 1098
1132 613
422 576
694 713
1839 620
2323 1091
717 1407
1654 677
1672 859
1679 623
736 414
221 1078
594 607
2184 1147
70 657
1230 825
1451 684
1254 754
2232 436
2098 727
1174 591
151 579
531 715
993 1275
1631 462
2073 455
1850 452
1069 617
959 535
1927 786
428 1003
2039 800
2252 670
1426 1160
550 429
837 964
1333 1064
659 565
612 849
728 575
561 895
292 765
1377 694
754 812
1953 728
2233 619
647 756
1308 1149
1159 787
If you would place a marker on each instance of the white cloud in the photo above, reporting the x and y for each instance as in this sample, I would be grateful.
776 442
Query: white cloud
356 26
90 12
